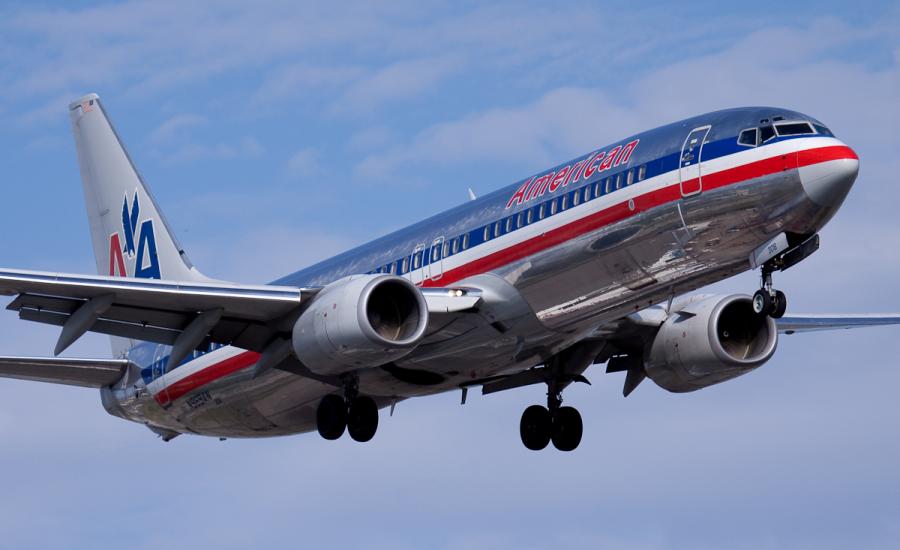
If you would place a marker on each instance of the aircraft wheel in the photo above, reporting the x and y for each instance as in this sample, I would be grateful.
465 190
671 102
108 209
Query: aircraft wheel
535 427
567 429
331 417
762 302
362 419
779 305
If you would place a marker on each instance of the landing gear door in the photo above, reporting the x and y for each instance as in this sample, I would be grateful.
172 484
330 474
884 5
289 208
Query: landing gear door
690 169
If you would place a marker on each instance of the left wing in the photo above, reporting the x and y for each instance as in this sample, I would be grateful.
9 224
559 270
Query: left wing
185 315
152 310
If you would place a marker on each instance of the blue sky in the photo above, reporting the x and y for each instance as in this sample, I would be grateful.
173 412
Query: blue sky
276 134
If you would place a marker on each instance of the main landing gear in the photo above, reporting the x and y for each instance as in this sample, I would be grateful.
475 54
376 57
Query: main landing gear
357 414
562 425
767 300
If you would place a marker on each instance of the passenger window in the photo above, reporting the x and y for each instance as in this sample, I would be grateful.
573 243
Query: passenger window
597 189
766 133
530 217
405 266
435 253
487 233
446 248
509 221
609 185
629 177
417 260
465 241
542 211
586 194
642 172
455 246
748 137
497 229
553 207
563 202
576 198
618 180
520 220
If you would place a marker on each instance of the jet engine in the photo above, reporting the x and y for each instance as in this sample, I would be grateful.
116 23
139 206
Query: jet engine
360 321
708 340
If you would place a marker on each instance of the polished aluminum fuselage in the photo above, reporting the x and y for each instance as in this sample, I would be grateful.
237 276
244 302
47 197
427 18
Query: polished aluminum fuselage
574 274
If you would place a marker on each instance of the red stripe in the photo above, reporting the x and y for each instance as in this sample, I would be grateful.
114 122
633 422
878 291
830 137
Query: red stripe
642 203
209 374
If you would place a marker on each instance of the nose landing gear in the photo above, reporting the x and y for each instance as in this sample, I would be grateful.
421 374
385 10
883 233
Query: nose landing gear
767 300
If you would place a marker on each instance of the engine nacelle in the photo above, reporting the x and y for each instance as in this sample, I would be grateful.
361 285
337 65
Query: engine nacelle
360 321
708 340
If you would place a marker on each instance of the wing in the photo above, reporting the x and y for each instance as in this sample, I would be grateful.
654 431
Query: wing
89 373
185 315
810 323
152 310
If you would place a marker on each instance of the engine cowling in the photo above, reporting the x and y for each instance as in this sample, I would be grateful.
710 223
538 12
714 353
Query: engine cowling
708 340
360 321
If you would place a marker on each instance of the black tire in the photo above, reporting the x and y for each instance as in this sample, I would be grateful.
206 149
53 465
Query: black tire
567 429
762 302
362 419
331 417
779 305
534 428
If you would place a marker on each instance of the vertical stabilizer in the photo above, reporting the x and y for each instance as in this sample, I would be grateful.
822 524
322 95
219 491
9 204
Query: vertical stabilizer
129 233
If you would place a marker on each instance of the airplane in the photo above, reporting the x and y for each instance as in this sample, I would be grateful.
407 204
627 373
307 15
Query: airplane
592 261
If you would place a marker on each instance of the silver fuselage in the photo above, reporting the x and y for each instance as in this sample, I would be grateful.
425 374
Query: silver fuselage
555 280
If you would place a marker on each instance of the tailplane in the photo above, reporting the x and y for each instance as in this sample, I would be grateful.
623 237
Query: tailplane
129 233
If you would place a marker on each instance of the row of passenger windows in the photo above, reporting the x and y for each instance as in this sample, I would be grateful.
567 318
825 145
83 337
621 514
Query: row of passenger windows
550 207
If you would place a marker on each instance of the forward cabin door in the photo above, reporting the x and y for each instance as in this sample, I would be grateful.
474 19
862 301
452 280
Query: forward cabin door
690 167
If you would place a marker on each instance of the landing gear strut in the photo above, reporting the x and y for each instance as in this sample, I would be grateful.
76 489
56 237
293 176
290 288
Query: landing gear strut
357 414
561 425
767 300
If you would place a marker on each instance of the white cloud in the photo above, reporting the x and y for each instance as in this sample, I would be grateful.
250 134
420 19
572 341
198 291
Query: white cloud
400 80
174 127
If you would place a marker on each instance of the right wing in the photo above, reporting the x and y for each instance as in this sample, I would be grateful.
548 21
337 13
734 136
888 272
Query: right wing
792 324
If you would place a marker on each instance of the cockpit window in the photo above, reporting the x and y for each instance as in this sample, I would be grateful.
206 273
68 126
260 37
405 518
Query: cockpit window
794 129
766 133
822 130
748 137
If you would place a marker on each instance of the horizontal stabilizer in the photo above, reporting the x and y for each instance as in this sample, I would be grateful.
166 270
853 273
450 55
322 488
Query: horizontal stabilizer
89 373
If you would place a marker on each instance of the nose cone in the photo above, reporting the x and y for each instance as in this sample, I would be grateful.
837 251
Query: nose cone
827 183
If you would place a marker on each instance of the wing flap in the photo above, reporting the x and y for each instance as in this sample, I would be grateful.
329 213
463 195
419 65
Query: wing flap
89 373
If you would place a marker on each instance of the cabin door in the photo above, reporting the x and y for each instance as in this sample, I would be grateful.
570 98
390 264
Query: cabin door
690 169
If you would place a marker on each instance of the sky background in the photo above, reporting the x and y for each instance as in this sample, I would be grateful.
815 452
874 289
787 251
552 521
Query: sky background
276 134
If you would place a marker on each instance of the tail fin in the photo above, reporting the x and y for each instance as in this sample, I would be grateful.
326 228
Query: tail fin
130 235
